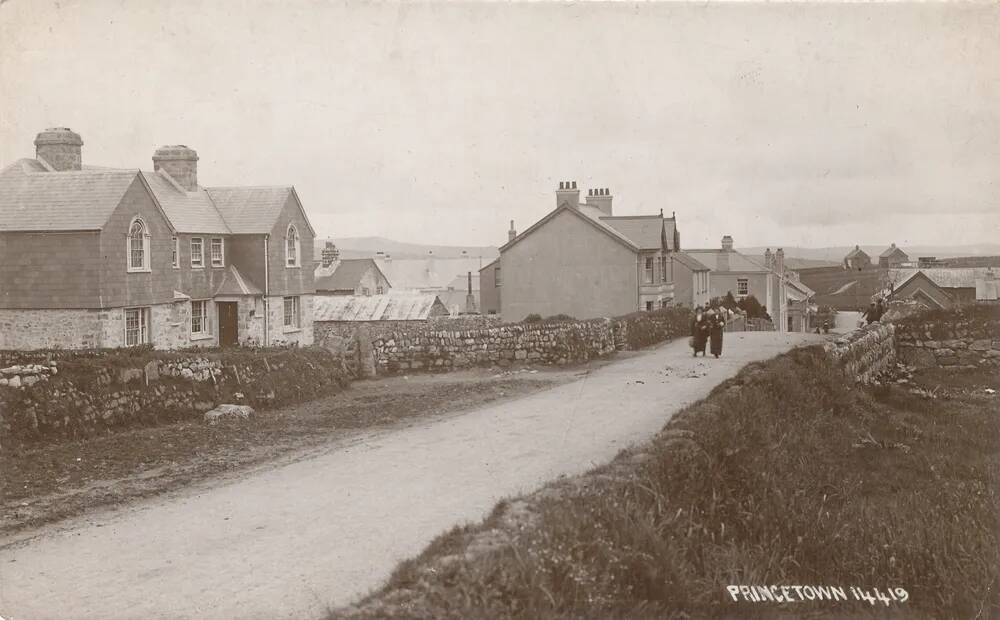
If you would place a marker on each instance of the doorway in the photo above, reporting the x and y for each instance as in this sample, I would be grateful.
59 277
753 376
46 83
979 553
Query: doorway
228 323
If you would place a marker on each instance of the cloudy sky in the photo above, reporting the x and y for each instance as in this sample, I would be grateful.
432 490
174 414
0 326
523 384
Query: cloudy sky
779 124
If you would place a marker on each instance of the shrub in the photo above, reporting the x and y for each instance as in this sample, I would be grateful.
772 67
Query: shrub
532 318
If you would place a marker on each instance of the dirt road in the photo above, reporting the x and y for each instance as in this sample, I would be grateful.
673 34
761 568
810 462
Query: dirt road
292 541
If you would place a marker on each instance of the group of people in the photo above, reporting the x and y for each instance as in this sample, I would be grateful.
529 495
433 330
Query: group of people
874 312
707 327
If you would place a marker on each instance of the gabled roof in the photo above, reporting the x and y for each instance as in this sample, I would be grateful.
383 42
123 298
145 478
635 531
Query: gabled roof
252 210
688 261
889 251
33 199
347 275
856 252
235 283
922 279
645 231
737 261
188 212
390 307
797 290
590 215
945 277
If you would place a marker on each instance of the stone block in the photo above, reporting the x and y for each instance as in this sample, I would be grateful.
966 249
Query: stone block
229 412
980 345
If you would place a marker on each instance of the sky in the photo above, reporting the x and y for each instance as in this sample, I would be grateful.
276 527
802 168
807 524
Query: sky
779 124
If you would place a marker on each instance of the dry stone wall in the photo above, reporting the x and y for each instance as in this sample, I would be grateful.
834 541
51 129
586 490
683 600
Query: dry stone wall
963 337
446 344
77 394
867 353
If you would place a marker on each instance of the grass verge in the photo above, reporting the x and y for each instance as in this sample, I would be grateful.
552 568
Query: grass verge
784 475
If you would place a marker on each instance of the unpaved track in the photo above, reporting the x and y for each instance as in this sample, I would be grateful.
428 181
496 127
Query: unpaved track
292 541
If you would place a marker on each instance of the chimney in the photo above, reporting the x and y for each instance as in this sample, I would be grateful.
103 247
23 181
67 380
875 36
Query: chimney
779 261
60 148
568 194
180 163
600 198
470 299
727 243
330 254
512 232
768 259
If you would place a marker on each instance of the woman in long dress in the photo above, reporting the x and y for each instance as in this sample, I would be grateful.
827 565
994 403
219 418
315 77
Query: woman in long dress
716 326
699 332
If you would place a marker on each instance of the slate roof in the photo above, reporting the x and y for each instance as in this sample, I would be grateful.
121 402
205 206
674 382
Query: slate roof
250 210
889 251
688 261
33 199
235 283
645 231
346 276
389 307
961 277
856 252
189 212
737 261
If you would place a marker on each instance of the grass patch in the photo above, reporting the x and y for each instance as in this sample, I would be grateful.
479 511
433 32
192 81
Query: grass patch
784 475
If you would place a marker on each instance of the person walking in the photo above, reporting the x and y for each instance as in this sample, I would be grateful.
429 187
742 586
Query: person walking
699 332
717 324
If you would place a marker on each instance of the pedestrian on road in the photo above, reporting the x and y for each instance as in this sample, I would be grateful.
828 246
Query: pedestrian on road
717 325
699 332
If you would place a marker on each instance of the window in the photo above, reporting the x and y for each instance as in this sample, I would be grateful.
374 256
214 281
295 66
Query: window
197 252
649 270
366 291
663 269
496 276
201 325
663 303
649 304
292 312
292 247
379 290
138 246
218 254
742 287
136 326
175 253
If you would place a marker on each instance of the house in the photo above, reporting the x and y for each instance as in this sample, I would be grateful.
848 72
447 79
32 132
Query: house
988 288
489 287
691 280
356 276
108 257
582 260
964 285
922 289
783 295
892 257
857 260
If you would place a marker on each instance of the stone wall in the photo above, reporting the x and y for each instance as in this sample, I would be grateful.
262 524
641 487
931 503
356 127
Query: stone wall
958 337
63 395
445 344
865 353
29 329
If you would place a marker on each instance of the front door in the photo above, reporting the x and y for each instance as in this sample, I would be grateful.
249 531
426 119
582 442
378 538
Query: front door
228 323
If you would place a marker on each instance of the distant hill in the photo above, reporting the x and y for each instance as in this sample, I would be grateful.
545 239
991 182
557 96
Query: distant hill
796 263
364 247
836 254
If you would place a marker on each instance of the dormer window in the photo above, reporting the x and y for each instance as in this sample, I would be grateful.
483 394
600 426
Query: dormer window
137 246
292 247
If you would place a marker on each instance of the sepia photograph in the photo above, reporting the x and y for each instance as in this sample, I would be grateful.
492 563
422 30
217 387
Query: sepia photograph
499 309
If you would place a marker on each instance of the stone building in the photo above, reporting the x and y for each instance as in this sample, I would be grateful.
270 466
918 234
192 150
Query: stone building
892 257
582 260
857 260
94 257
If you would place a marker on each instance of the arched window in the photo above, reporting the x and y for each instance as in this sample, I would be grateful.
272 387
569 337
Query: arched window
292 247
137 247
